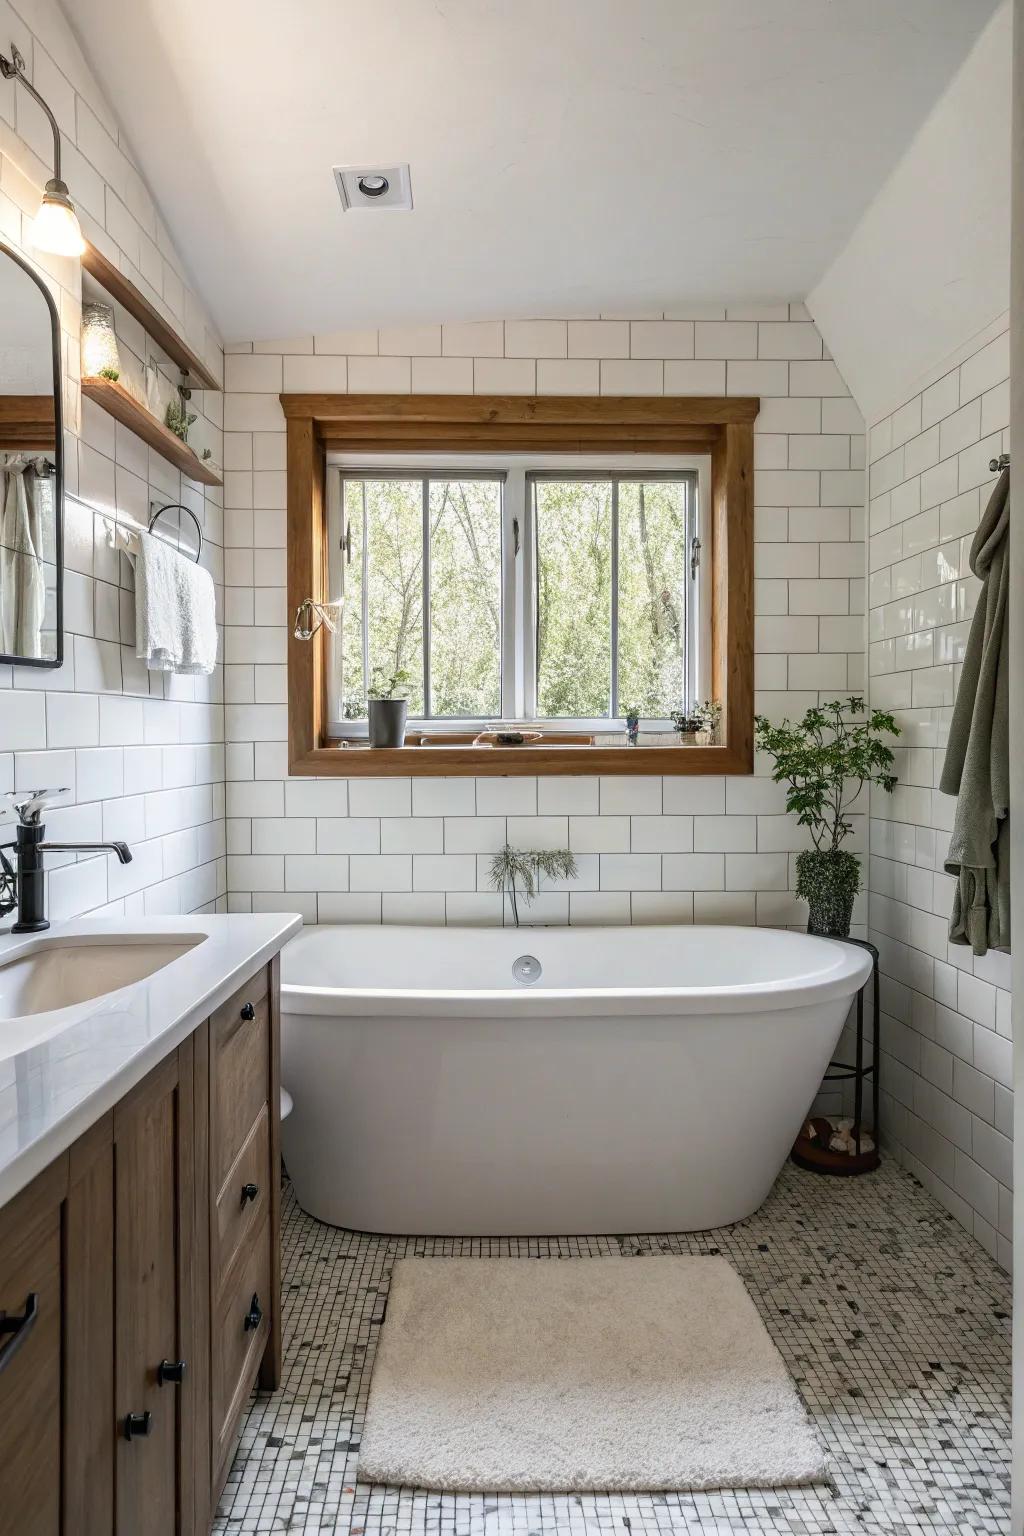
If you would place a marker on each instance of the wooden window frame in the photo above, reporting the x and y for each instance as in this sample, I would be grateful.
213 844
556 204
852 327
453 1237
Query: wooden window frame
721 426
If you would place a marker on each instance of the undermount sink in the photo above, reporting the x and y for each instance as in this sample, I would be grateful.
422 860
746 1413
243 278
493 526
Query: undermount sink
57 973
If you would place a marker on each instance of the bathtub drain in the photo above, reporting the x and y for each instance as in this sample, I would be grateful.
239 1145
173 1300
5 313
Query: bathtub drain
526 970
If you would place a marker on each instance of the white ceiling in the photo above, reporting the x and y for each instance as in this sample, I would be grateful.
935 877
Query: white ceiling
568 156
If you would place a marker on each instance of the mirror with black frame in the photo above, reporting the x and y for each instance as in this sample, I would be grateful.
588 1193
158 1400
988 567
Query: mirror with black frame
31 469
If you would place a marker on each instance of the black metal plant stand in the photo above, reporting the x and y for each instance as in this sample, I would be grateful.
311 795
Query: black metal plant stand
815 1155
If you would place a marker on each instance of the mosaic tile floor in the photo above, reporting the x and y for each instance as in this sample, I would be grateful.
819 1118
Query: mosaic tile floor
893 1321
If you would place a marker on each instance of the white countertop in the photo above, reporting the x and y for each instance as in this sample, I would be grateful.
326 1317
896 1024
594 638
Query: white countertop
51 1092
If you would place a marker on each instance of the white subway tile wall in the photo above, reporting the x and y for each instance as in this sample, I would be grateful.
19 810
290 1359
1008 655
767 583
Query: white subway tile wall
142 755
947 1088
648 849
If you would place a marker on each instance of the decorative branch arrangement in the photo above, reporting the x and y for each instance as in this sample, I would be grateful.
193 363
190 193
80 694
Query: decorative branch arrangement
709 717
516 871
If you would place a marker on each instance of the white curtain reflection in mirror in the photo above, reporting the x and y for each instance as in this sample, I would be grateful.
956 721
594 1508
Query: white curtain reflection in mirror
26 538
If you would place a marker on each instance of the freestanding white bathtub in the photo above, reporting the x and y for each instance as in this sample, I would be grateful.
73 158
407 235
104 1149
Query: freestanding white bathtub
642 1080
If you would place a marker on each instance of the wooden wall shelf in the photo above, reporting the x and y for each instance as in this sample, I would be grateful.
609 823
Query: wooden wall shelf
115 399
153 323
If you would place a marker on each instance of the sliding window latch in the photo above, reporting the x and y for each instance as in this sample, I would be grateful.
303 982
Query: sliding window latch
346 543
515 536
695 549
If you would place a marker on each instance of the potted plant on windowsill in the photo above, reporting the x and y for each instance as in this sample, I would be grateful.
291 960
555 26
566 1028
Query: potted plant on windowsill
834 746
388 707
686 723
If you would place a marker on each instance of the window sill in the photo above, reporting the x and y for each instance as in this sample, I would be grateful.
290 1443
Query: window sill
343 759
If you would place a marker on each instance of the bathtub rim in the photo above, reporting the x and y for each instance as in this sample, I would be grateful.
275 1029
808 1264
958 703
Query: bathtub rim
844 979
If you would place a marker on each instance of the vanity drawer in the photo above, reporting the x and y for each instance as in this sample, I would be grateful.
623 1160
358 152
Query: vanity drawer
239 1211
239 1341
251 991
240 1061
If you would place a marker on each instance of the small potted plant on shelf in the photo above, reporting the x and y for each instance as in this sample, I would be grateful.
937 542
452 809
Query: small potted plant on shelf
687 723
388 707
825 759
632 725
515 872
179 418
709 716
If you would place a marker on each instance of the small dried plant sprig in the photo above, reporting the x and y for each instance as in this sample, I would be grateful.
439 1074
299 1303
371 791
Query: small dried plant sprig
835 745
517 871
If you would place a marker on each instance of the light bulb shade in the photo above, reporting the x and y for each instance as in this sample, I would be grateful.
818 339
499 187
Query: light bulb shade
56 228
99 343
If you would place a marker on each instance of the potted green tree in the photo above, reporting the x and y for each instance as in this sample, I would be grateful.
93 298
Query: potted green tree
388 707
825 759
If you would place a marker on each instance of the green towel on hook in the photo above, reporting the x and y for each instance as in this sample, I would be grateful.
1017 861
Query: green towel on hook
977 766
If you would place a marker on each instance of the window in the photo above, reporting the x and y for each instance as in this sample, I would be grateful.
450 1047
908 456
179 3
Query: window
523 590
654 641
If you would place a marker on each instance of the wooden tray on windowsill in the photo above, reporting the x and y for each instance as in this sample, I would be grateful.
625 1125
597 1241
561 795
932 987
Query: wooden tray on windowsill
487 740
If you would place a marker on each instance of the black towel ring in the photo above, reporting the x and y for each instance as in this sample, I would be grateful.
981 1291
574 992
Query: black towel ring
179 506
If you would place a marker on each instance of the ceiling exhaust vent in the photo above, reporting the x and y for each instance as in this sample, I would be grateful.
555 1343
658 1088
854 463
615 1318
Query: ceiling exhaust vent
365 187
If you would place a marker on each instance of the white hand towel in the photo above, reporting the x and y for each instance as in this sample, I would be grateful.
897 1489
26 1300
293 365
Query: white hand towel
175 621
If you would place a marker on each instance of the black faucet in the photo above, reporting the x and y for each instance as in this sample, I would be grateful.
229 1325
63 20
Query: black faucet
26 889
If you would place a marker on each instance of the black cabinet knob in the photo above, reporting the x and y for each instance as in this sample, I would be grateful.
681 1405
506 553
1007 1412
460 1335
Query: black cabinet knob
136 1424
254 1316
249 1192
171 1371
248 1011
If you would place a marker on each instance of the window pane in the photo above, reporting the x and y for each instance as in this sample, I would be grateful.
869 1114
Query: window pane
353 683
652 596
574 597
391 563
465 597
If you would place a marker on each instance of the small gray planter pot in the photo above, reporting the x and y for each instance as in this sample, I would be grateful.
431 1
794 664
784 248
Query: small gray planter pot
387 722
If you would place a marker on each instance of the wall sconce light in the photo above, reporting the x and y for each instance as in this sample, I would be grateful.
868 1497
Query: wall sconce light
56 228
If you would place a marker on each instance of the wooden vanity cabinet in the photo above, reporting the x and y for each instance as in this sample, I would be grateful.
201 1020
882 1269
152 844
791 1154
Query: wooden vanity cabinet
32 1356
140 1293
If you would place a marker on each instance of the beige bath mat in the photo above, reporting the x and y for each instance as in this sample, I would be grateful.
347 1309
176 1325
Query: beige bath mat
557 1375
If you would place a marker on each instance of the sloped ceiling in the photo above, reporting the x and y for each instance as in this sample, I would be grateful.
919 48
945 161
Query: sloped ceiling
928 266
568 156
